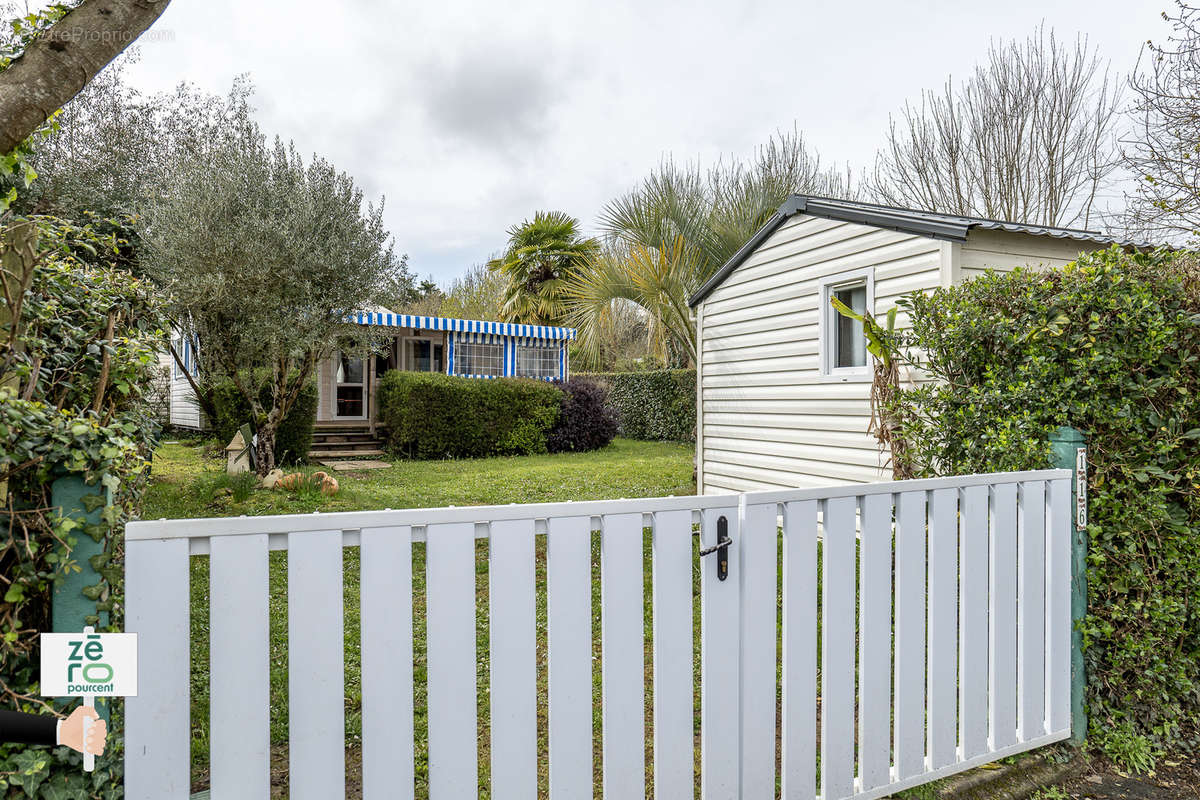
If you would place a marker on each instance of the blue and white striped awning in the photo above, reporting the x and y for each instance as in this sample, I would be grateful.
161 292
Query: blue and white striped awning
463 325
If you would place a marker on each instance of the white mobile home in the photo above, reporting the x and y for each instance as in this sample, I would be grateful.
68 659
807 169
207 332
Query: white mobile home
783 382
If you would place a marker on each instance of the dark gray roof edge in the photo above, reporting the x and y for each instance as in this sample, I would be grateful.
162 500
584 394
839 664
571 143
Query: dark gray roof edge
777 219
922 223
801 204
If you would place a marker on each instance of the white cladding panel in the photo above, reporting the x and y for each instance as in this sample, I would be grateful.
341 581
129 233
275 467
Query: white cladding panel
768 417
1002 251
185 413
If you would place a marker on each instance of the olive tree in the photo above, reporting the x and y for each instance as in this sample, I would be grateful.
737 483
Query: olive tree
265 257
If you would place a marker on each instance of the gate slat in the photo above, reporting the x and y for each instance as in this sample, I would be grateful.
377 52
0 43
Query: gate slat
569 656
1031 605
316 688
943 627
1002 613
450 636
799 756
973 622
837 649
622 657
513 688
673 716
910 635
759 571
1058 574
239 671
874 657
386 634
157 606
719 662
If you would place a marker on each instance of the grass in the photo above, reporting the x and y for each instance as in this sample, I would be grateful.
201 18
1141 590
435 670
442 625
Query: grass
626 468
187 484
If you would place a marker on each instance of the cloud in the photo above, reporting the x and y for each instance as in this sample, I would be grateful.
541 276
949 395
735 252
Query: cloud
497 99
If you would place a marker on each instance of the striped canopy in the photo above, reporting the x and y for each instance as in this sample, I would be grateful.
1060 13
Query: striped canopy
463 325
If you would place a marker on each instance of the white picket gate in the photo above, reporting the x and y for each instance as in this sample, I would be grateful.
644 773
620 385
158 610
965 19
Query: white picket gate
943 608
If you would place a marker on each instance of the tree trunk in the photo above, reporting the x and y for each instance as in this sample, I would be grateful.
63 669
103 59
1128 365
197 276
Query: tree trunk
55 67
265 450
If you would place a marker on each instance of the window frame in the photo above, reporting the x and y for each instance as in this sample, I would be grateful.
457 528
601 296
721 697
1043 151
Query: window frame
459 353
541 348
406 353
827 315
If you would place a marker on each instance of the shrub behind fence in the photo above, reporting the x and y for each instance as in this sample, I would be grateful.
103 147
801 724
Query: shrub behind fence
430 415
655 405
294 437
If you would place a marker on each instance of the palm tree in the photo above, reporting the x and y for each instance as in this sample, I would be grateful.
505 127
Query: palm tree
672 233
542 254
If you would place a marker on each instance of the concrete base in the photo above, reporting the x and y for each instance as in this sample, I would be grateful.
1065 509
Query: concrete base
354 466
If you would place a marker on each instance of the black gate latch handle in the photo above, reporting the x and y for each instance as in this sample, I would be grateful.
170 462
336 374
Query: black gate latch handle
721 548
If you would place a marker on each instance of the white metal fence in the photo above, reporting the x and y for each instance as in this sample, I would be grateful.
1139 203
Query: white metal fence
942 609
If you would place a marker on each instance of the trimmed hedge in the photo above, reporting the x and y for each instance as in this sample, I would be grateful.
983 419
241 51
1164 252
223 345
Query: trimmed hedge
656 405
1109 344
294 437
587 421
430 415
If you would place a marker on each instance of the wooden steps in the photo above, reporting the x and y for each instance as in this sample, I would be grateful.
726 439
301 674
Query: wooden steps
355 441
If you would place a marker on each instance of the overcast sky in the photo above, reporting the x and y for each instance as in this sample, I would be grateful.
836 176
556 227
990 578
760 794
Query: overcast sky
470 115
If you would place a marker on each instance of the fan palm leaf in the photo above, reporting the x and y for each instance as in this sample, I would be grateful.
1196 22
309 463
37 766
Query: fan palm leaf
542 254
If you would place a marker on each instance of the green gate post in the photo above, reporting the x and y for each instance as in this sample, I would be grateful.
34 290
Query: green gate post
1069 451
68 606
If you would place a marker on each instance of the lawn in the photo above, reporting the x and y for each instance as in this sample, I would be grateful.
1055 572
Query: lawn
186 483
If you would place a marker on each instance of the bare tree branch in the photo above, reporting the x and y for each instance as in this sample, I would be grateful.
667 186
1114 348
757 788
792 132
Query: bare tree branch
1028 137
1165 155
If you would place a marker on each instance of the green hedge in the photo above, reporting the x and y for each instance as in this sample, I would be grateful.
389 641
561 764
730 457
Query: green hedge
657 404
430 415
294 437
1109 344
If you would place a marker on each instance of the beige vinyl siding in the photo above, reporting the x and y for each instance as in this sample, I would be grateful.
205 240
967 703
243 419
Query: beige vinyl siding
1004 251
768 417
185 413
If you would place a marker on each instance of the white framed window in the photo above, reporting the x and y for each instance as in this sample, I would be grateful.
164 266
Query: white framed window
843 349
537 361
474 358
422 355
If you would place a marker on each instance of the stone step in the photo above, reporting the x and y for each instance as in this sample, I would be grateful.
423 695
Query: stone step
358 453
345 437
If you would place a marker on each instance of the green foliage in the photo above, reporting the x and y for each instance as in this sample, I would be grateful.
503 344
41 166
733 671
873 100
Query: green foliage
1123 745
293 439
1110 345
266 256
208 487
16 171
75 370
1051 793
543 253
430 415
673 231
656 404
